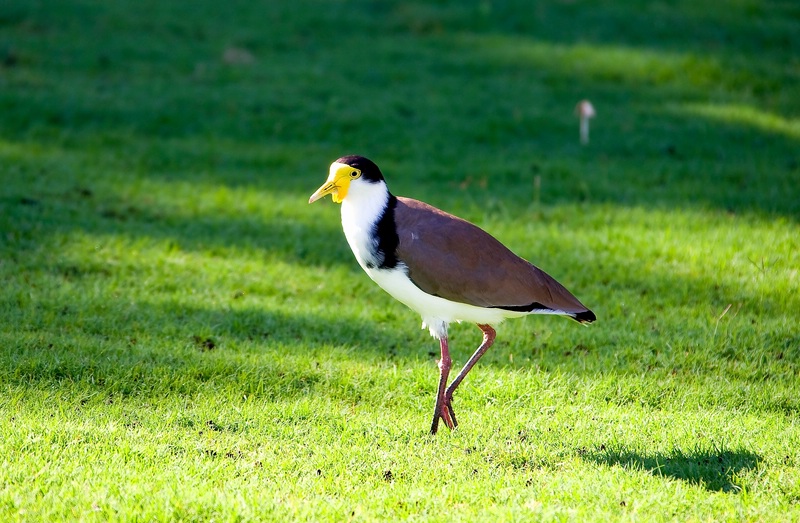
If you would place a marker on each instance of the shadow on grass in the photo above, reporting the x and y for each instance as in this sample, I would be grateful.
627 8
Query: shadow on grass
156 349
35 217
713 469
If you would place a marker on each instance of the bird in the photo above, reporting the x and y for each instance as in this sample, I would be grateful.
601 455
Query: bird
441 266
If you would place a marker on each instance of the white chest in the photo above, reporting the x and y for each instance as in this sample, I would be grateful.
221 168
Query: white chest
361 210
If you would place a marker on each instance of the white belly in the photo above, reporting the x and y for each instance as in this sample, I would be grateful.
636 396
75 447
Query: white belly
436 312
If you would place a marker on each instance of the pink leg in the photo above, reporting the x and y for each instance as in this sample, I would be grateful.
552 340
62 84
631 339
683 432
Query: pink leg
441 410
488 339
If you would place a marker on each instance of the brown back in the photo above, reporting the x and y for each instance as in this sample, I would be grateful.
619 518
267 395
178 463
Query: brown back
456 260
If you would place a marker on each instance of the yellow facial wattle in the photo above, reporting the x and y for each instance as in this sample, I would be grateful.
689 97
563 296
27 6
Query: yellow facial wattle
340 192
337 184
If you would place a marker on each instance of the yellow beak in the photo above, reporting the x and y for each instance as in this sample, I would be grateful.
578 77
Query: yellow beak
337 183
326 189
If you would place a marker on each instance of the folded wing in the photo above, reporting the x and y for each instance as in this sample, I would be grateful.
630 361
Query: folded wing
456 260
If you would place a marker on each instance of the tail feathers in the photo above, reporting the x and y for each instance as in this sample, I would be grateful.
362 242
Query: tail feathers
586 316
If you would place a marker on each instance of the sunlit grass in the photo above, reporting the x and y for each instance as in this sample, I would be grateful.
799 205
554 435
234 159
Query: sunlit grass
602 63
736 114
248 351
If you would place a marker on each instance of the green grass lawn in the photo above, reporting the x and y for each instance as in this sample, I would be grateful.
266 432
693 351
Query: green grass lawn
183 338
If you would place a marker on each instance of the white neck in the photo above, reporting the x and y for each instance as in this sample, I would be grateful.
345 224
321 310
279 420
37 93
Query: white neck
361 208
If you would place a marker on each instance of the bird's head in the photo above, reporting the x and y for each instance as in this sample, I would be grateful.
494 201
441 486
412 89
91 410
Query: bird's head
344 172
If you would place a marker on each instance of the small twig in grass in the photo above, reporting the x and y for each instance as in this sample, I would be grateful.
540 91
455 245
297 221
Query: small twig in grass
720 317
761 268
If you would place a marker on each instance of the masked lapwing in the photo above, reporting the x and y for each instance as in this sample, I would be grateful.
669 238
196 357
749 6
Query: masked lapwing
441 266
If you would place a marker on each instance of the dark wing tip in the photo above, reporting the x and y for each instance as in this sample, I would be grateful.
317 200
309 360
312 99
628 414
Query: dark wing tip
585 317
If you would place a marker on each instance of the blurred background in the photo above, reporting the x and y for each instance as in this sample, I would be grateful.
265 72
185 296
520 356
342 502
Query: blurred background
696 102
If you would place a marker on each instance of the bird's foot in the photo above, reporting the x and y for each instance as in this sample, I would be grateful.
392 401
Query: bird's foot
452 414
444 411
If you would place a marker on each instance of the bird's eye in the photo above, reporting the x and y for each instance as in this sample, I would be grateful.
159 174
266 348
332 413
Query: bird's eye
353 174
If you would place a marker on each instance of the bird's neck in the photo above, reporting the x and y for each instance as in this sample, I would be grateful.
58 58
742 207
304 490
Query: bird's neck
364 205
361 211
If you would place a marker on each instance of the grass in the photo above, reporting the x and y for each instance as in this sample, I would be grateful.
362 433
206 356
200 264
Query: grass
182 337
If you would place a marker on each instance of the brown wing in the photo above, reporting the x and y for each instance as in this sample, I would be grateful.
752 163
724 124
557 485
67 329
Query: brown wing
456 260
